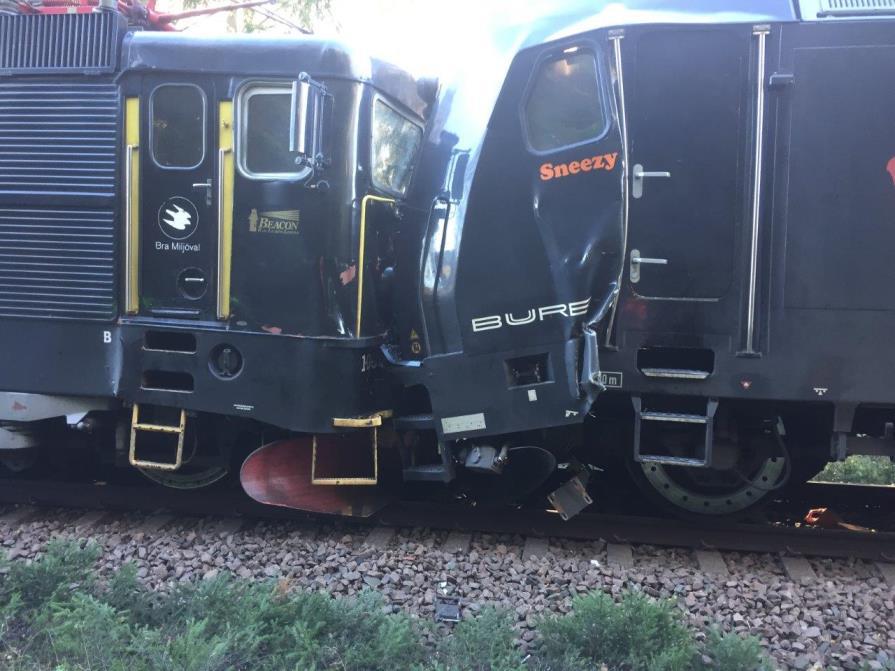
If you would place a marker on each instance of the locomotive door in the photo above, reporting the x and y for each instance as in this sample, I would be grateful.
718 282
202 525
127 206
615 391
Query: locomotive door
178 197
688 128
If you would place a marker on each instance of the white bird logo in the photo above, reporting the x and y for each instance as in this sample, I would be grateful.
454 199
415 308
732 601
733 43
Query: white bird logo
180 218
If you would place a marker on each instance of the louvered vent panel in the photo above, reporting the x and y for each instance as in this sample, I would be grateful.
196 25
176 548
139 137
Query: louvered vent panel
856 7
58 42
58 138
56 262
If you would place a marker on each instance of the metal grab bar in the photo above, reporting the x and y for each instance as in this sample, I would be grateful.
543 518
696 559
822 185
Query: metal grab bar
131 301
616 39
223 301
761 32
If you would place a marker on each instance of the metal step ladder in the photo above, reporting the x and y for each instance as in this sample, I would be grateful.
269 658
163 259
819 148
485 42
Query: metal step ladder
707 421
341 451
442 471
177 431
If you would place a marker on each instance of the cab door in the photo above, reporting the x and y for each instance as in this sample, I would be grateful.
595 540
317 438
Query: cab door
688 121
178 200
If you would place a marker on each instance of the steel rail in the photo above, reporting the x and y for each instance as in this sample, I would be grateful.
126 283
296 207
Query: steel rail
224 502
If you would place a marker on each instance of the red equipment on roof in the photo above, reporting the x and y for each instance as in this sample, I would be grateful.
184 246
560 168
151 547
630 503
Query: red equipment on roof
137 13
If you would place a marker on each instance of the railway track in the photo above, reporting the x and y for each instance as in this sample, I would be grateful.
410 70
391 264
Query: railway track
768 537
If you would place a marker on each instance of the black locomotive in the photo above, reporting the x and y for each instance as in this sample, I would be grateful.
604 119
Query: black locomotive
648 236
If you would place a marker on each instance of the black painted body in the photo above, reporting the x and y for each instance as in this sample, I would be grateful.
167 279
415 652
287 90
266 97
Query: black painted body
824 309
823 306
293 294
484 282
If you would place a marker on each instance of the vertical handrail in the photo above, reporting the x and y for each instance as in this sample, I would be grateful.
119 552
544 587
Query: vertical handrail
761 32
362 242
223 307
128 227
226 169
132 207
616 38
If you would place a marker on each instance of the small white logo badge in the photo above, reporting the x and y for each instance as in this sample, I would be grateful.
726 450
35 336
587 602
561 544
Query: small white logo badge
820 391
178 217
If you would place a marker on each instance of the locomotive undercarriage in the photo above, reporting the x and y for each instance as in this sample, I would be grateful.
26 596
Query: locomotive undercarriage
759 449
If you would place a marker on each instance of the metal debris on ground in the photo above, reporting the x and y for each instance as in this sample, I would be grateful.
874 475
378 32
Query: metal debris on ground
571 498
447 608
824 518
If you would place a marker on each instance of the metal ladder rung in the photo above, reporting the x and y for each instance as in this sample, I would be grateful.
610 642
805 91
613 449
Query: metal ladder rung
676 373
706 421
674 417
671 461
159 428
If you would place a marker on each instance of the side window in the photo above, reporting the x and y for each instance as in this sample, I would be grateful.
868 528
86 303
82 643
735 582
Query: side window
396 140
264 116
178 126
565 105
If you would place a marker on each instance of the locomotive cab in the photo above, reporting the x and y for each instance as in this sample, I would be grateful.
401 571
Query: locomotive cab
262 178
200 236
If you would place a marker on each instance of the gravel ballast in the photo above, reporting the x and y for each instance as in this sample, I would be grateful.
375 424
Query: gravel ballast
844 617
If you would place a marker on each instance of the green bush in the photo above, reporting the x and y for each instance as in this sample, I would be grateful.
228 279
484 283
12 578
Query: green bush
637 633
860 469
733 653
485 642
65 567
55 617
82 632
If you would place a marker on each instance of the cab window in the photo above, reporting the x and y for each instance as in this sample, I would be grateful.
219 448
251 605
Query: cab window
396 140
178 126
264 117
565 105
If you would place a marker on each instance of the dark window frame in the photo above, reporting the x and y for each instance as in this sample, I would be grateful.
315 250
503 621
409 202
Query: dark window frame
246 92
379 98
554 55
204 133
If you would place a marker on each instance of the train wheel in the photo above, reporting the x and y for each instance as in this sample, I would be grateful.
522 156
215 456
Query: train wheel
188 477
710 491
749 470
18 461
207 456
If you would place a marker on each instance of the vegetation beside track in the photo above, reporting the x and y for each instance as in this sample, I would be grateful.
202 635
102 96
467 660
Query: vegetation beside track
860 470
55 615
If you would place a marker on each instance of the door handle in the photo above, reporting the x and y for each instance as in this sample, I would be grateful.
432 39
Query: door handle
639 175
208 186
637 261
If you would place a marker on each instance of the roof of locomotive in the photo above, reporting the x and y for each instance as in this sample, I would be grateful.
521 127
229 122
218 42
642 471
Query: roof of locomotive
267 57
580 16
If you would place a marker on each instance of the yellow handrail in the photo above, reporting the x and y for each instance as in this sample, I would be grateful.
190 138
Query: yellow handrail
226 176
